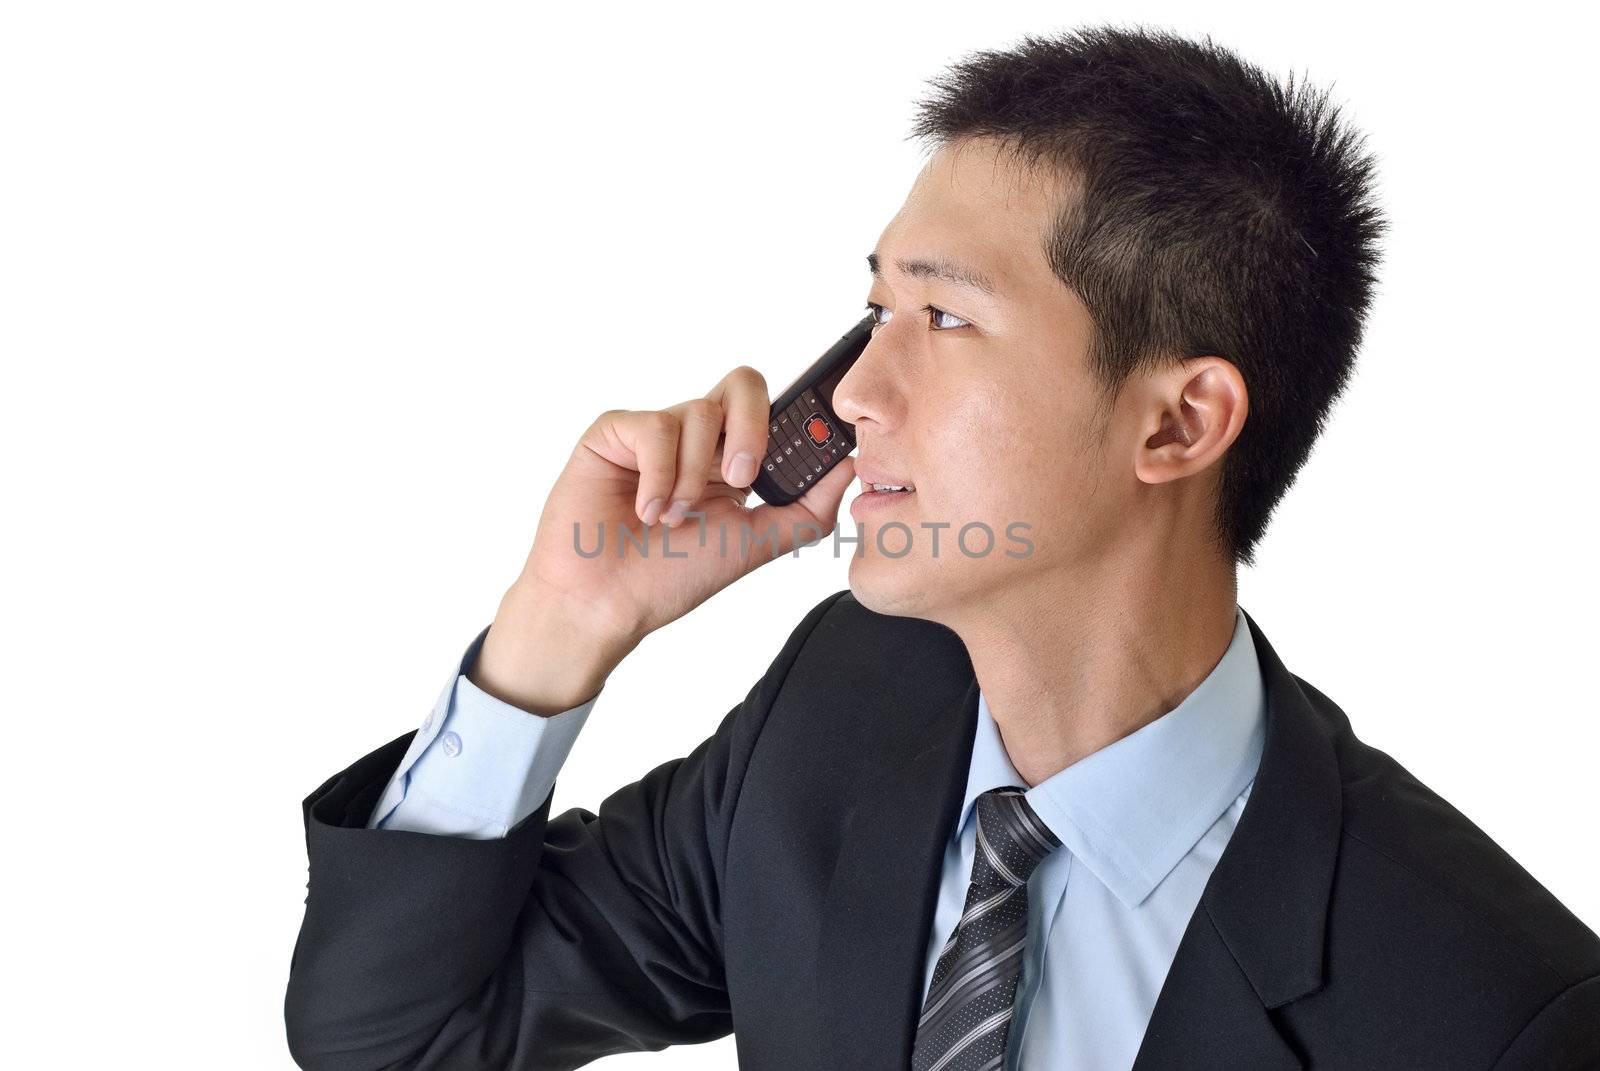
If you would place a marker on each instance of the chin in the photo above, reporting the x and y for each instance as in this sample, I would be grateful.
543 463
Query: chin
897 587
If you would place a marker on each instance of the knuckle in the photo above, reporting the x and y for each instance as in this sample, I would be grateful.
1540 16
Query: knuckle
662 424
704 414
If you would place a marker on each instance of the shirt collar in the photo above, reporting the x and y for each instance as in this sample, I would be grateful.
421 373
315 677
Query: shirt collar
1133 809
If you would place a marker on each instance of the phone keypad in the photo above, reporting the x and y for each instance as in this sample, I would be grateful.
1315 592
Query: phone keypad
805 442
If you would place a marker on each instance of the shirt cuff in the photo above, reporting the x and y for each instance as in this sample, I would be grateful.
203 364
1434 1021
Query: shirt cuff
477 765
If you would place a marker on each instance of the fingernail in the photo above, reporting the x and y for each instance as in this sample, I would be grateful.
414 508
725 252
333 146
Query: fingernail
743 469
652 511
674 513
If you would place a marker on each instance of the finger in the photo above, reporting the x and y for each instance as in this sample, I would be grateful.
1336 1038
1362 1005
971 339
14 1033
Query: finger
742 393
648 441
714 470
700 425
718 489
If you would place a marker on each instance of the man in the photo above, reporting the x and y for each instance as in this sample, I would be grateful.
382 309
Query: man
1056 804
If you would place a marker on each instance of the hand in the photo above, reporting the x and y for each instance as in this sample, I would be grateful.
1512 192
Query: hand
643 470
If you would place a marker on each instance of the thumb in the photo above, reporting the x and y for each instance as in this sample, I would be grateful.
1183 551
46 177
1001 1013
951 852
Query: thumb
812 515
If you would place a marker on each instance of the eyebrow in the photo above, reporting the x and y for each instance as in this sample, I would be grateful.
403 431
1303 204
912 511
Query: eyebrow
938 268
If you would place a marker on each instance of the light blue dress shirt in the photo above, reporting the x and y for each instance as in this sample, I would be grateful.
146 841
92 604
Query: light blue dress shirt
477 766
1142 823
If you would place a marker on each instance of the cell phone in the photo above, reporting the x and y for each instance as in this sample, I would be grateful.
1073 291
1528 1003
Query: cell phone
805 437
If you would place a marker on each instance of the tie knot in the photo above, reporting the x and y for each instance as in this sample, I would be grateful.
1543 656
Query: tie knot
1012 839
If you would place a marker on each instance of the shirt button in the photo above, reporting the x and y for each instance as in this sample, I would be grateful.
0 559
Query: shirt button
452 744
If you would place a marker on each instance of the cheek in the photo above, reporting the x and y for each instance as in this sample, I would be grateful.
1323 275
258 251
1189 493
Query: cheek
1014 447
1002 435
985 468
1010 460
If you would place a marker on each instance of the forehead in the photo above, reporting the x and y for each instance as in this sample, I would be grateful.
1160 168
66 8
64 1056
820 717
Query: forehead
974 203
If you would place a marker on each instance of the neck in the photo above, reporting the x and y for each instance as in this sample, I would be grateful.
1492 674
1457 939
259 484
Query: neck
1068 666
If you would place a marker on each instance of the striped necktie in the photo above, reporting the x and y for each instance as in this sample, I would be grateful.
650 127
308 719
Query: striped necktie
967 1015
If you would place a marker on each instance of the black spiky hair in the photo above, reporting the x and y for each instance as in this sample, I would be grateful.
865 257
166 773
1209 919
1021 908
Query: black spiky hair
1206 209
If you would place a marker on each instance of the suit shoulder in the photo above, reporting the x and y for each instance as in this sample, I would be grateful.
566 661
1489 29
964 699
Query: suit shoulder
849 631
855 660
1410 844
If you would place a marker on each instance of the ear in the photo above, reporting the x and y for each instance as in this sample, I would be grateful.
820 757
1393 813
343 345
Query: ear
1196 410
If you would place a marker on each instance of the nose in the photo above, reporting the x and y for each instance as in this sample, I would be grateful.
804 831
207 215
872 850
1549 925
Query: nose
863 393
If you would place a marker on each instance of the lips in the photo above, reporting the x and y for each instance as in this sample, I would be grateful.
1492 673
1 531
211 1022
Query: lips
870 474
872 504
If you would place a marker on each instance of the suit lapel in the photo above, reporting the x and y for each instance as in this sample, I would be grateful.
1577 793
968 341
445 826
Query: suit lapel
1256 941
880 902
1208 1017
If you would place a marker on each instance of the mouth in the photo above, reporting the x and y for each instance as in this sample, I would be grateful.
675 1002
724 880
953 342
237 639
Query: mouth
869 488
878 498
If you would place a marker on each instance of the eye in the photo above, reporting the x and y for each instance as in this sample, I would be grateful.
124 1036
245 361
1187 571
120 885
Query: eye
877 309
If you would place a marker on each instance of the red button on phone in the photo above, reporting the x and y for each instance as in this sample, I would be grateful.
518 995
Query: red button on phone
818 429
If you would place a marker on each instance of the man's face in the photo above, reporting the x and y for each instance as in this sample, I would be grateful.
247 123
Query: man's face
984 406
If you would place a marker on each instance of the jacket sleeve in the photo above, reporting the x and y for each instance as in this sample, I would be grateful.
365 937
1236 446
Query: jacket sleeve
1563 1036
568 939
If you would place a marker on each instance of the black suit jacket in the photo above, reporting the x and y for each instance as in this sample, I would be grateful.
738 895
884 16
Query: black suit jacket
779 881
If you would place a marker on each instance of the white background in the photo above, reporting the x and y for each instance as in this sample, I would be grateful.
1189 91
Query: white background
303 304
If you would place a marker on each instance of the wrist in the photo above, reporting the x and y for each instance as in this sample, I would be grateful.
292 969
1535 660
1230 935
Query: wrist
542 656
